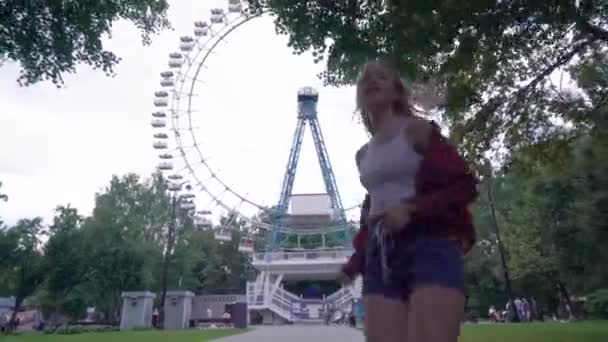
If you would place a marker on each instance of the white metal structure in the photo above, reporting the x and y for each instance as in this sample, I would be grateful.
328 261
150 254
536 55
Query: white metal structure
158 123
246 245
223 235
310 204
186 157
203 222
267 296
175 109
160 145
165 166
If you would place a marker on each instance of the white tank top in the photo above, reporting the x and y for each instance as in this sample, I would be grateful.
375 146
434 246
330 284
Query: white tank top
388 171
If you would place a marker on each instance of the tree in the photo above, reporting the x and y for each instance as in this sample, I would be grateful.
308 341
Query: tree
552 219
139 207
68 271
119 248
484 274
125 239
23 270
3 197
117 264
220 268
8 244
50 38
491 59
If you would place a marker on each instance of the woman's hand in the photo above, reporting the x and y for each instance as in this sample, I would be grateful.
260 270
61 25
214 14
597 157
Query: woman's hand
396 219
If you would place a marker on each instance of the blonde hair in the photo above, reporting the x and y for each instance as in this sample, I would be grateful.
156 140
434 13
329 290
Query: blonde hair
400 105
427 96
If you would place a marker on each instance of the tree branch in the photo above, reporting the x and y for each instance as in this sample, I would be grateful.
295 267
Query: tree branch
493 104
585 26
596 31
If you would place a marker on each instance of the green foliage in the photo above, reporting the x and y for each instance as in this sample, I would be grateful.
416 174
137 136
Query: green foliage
75 330
218 266
596 305
192 335
22 267
118 248
50 38
483 271
557 216
90 261
67 268
491 59
535 332
552 221
3 197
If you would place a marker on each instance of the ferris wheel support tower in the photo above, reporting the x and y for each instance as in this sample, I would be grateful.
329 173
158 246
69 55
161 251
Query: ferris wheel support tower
298 218
308 99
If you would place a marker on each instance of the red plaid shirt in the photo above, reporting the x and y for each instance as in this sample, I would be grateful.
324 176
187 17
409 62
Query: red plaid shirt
445 187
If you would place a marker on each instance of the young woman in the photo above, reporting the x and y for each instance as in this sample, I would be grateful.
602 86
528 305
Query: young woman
415 222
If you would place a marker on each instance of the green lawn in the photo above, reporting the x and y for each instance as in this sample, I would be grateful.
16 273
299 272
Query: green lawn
536 332
133 336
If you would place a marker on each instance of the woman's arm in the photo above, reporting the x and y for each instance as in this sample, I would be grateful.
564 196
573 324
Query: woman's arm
356 263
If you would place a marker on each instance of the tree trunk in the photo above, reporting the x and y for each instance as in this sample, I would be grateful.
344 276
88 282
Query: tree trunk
12 323
167 261
19 298
566 295
501 251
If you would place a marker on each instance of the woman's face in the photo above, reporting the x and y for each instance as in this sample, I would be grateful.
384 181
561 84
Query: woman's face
376 88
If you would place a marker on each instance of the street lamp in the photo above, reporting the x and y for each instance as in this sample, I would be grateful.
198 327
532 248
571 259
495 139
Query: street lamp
185 201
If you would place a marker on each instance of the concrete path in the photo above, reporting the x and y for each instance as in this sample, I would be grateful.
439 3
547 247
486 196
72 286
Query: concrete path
298 333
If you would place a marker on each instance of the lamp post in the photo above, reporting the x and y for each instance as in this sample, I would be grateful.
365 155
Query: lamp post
185 202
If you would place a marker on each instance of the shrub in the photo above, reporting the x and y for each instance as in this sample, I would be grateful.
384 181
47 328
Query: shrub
596 304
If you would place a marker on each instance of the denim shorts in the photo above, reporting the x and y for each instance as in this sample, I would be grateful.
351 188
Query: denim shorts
395 265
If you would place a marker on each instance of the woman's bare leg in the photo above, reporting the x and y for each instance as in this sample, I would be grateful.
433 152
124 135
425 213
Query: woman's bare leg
385 319
435 314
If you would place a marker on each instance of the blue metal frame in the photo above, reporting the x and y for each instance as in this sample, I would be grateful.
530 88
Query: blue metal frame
307 113
292 165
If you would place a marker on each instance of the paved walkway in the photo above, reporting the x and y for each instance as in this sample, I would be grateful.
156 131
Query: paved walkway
298 333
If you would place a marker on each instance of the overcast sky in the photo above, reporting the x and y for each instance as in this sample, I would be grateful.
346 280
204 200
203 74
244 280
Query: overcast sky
62 146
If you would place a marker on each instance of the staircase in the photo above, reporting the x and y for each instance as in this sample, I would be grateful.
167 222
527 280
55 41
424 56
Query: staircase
278 301
341 299
283 304
264 296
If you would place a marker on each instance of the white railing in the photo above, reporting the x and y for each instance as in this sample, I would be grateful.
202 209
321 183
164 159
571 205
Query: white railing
288 305
279 301
282 303
288 295
308 255
339 295
358 287
255 294
342 298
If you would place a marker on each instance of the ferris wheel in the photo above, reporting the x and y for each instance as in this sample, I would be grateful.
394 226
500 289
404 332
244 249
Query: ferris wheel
185 159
